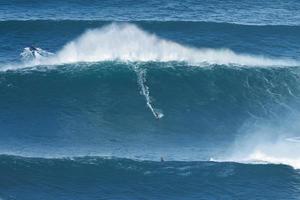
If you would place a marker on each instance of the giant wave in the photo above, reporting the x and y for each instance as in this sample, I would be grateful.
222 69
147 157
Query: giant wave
98 109
162 69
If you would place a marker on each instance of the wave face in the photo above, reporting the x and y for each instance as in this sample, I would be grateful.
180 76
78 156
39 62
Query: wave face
111 109
185 102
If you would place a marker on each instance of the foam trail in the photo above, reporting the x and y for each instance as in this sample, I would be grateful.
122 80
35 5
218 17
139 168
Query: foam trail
141 75
127 42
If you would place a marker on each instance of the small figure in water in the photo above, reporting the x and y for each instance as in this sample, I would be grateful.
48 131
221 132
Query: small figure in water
162 159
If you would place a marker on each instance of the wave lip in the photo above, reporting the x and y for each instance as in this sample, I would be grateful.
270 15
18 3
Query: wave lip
126 42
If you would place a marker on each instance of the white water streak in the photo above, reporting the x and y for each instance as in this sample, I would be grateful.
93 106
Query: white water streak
141 78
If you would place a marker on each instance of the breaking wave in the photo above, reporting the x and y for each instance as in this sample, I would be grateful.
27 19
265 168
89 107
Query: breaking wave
186 93
128 43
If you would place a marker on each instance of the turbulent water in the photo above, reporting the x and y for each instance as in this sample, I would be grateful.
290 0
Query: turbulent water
210 88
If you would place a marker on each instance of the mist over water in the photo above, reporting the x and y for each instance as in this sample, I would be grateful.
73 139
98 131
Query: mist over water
268 142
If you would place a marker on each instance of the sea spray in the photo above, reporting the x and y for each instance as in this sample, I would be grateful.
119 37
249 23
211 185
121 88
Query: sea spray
276 142
129 43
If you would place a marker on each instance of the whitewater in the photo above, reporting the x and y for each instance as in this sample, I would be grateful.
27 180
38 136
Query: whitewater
128 43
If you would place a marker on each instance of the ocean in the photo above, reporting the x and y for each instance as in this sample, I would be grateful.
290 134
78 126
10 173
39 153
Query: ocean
149 100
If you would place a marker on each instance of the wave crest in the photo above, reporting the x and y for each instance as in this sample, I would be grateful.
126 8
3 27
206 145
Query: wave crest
127 42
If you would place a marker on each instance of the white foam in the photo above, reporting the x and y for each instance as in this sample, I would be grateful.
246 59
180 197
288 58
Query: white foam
127 42
141 75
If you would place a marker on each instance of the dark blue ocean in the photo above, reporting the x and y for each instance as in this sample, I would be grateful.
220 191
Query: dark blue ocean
149 100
